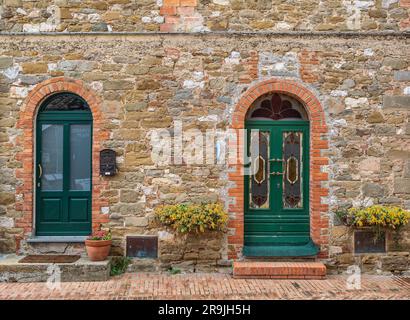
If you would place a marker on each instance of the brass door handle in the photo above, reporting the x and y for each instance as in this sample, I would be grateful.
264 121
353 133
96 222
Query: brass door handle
277 173
40 169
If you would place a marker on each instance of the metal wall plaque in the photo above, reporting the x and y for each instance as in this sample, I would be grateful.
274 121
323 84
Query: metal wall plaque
108 165
142 246
366 241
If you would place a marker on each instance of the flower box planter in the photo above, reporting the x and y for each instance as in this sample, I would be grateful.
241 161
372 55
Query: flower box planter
98 250
372 225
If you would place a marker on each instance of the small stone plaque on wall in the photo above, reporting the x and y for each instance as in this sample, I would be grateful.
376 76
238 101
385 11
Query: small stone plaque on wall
142 246
367 241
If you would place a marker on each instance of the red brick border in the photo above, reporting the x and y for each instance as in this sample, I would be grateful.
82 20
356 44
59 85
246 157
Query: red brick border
177 11
319 222
26 123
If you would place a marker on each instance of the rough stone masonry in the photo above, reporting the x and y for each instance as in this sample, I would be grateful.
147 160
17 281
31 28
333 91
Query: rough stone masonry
191 61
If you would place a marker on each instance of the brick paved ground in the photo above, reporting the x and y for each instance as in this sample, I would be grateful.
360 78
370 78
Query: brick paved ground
211 286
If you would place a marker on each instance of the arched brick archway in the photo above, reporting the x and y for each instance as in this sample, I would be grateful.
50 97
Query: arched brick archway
319 222
25 174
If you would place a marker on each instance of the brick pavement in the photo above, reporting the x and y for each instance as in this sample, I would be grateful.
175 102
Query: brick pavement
212 286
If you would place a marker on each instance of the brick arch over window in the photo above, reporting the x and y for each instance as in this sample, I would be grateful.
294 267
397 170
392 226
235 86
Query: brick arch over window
319 222
26 141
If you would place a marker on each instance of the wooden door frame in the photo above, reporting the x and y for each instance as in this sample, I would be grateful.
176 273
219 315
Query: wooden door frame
62 118
302 248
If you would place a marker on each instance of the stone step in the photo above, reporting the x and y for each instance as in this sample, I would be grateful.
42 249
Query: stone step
83 270
278 270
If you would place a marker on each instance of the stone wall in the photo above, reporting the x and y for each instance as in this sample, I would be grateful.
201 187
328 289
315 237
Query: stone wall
203 15
149 81
396 259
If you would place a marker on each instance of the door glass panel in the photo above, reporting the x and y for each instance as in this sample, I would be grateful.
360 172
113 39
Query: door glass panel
292 180
52 157
259 178
80 157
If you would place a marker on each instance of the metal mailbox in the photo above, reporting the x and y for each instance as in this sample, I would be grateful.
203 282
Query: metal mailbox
108 165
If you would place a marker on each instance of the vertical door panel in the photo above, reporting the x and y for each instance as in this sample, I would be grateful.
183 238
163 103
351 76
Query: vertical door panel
259 181
51 209
292 183
52 157
78 209
80 157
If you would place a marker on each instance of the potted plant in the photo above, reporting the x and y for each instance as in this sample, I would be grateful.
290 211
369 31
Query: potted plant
98 245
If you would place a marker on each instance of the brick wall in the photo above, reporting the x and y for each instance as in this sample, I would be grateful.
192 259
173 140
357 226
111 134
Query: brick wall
180 15
309 62
405 3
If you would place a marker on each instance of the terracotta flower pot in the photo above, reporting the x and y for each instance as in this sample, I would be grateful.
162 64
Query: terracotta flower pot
98 250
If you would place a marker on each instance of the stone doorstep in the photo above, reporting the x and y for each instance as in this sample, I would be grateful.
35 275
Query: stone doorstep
278 270
59 239
83 270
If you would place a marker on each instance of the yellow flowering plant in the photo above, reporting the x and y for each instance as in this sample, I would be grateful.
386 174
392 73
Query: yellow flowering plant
186 218
377 217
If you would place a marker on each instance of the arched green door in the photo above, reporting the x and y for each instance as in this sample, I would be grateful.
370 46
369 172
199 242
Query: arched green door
277 221
63 166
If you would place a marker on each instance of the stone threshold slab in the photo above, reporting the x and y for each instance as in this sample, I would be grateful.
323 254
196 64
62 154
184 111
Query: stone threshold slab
57 239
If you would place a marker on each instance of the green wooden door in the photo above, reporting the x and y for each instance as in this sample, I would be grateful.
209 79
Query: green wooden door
63 170
277 189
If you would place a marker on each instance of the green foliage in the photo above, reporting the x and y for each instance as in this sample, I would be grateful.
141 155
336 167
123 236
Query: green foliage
186 218
101 235
173 270
119 265
343 216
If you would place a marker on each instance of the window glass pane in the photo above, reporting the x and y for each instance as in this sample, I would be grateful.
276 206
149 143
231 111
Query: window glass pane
276 106
259 178
80 157
65 102
292 180
52 157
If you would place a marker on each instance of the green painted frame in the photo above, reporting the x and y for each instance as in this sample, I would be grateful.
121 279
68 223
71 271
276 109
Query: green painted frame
65 118
296 247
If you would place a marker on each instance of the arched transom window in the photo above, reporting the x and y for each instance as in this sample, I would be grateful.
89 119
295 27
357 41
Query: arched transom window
65 102
276 106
